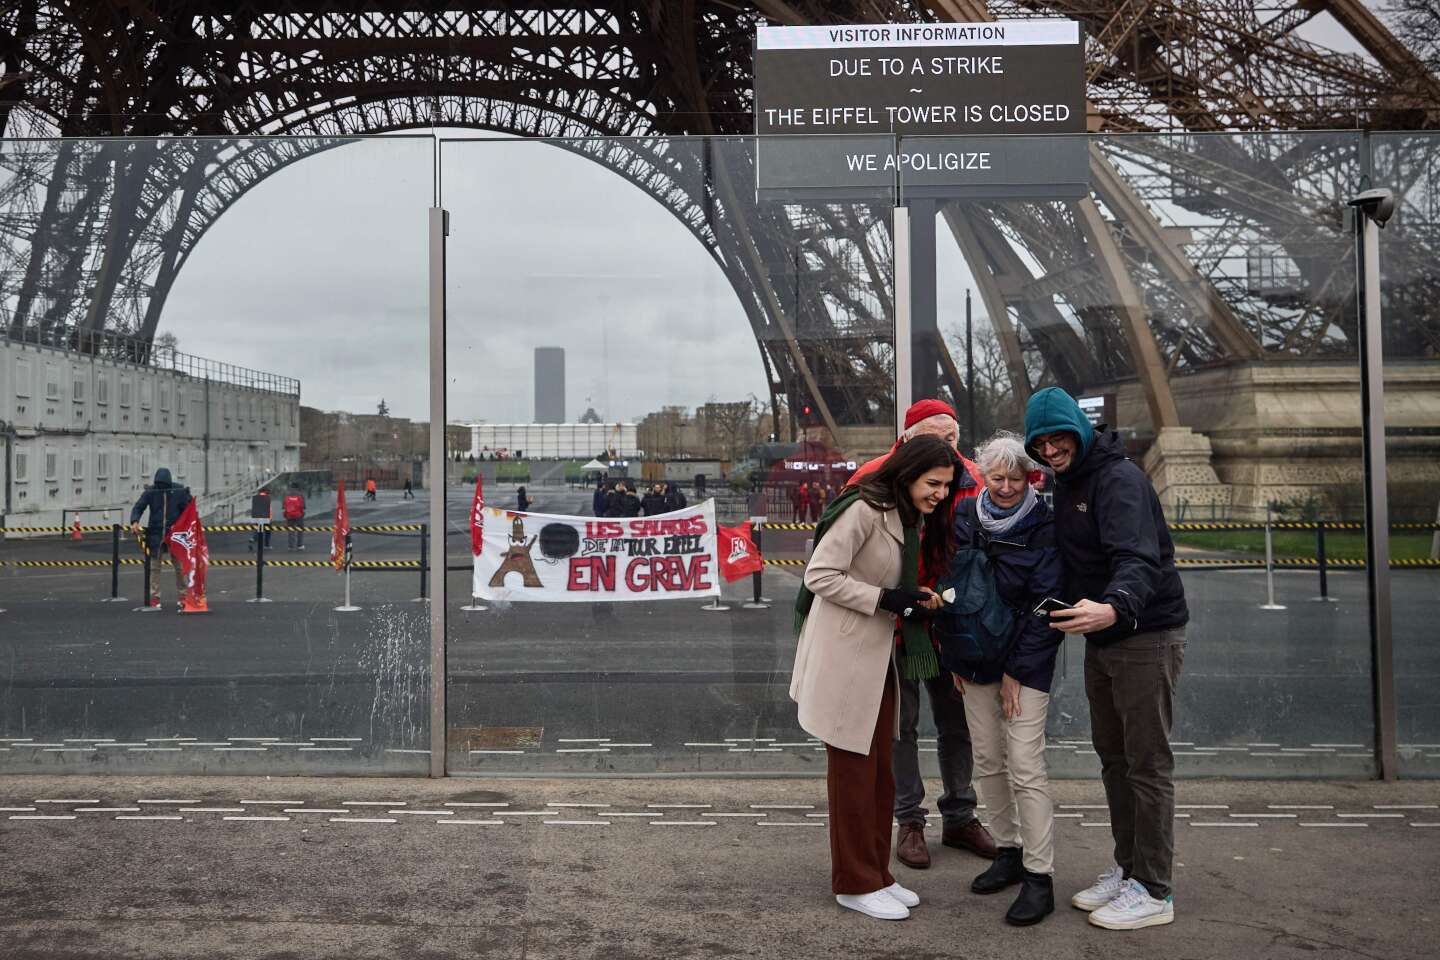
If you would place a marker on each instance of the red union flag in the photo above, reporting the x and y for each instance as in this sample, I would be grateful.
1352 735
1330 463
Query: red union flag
186 541
738 554
477 517
340 543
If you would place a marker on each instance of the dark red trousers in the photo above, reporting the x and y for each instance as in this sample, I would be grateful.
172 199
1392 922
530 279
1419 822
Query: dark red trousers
861 789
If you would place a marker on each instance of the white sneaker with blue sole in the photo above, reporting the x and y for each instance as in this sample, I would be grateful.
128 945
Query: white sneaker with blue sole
1133 909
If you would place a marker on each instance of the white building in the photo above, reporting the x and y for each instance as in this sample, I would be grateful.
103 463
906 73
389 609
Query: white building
84 434
552 441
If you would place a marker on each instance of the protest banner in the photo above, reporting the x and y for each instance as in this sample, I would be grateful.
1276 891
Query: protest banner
589 559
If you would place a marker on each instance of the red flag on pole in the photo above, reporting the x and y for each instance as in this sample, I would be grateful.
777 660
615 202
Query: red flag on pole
186 541
340 543
738 553
477 517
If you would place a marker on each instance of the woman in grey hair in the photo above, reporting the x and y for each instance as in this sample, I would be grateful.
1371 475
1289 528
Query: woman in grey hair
1007 684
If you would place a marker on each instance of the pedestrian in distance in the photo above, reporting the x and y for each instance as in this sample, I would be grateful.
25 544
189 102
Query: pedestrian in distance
1002 657
599 498
960 828
165 500
522 500
292 508
861 580
1127 599
674 498
409 492
629 503
371 490
615 500
653 503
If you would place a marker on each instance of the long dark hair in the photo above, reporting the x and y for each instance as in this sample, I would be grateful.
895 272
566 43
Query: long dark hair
889 489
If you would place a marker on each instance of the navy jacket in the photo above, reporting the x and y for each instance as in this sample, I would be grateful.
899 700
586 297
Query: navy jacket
165 501
1026 564
1115 543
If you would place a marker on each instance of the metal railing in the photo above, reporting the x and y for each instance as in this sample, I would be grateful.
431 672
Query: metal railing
123 348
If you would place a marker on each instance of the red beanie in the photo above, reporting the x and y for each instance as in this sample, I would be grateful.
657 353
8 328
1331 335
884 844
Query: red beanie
925 409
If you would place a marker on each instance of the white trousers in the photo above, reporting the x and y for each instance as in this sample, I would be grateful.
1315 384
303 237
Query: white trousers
1010 771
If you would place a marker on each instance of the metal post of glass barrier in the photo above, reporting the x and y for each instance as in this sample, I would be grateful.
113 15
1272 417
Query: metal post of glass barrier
1372 209
903 380
439 228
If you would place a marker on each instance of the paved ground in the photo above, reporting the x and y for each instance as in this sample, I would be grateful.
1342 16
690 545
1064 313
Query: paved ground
299 868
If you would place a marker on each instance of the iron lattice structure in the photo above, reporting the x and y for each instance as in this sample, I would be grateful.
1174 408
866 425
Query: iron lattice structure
1202 245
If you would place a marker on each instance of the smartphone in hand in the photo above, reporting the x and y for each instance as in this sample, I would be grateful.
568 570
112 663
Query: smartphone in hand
1043 608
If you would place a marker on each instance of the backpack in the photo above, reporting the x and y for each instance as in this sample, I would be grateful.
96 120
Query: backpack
294 507
977 627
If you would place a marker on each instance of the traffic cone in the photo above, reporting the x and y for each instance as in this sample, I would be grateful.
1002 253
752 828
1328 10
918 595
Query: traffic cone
75 530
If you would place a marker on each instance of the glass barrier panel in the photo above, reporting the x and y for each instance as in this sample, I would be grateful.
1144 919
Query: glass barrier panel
237 325
697 331
1410 294
1200 300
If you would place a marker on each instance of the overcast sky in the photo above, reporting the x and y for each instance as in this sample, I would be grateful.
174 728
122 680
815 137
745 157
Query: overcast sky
319 273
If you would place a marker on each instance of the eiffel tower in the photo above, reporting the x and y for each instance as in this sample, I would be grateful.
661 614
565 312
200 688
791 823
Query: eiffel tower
93 232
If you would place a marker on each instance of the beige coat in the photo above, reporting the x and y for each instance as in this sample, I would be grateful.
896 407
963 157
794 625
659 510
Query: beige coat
847 645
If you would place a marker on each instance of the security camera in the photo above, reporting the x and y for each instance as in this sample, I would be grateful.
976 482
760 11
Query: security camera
1378 205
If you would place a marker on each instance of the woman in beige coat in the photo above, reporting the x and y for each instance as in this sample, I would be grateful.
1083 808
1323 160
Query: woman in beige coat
860 581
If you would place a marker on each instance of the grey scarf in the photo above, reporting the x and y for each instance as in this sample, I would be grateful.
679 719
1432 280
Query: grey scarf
998 522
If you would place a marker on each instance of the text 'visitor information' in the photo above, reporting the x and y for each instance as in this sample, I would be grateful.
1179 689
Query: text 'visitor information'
921 79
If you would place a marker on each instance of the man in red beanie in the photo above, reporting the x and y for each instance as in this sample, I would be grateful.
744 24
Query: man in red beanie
960 827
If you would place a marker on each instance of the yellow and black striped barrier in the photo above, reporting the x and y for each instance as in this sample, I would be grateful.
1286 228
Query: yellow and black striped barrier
786 526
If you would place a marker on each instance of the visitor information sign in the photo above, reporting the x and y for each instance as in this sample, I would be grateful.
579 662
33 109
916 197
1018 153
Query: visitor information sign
932 106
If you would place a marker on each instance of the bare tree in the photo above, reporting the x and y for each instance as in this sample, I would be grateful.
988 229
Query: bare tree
1416 24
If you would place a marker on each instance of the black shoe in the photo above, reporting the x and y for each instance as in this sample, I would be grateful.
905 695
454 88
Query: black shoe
1004 872
1035 903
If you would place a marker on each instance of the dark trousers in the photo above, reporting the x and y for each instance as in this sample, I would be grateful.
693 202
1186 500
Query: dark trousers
952 749
861 790
1131 687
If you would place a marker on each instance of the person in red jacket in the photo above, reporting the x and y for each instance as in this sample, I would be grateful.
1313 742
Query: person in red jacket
960 827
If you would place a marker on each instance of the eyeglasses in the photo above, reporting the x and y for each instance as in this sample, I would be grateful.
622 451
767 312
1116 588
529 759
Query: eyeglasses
1042 444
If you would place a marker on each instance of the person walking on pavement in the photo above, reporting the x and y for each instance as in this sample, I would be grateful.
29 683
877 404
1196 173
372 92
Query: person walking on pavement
293 510
1129 603
370 488
863 575
522 500
409 492
166 501
1003 665
960 828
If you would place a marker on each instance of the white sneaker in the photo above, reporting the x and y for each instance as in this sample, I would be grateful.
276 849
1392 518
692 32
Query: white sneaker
1134 908
879 905
907 898
1105 888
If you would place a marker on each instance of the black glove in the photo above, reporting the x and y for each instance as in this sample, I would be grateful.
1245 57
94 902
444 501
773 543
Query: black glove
906 603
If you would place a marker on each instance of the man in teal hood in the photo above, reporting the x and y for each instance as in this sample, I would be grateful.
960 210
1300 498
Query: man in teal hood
1129 603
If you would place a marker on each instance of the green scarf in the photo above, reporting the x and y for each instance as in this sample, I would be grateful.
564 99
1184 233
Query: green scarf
919 662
